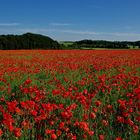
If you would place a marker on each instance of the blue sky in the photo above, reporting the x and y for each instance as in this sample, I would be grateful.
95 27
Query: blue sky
72 19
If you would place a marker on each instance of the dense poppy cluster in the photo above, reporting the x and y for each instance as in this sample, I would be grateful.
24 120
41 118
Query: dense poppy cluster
70 95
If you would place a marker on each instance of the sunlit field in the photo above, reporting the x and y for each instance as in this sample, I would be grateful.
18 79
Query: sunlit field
70 95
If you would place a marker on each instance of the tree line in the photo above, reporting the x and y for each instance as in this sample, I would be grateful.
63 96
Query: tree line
36 41
27 41
104 44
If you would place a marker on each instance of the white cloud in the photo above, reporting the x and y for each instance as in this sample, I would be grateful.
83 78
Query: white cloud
79 32
70 34
9 24
122 34
60 24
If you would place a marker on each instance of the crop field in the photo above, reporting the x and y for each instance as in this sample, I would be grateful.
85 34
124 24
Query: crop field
70 95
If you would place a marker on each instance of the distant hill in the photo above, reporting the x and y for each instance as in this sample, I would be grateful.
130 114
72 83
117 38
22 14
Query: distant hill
37 41
27 41
104 44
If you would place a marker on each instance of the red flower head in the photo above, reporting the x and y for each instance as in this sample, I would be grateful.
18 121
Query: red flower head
53 136
17 132
1 132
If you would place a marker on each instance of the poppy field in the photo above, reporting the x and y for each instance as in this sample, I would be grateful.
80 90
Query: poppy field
70 95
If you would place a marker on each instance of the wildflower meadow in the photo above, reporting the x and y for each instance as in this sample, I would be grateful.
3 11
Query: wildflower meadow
70 95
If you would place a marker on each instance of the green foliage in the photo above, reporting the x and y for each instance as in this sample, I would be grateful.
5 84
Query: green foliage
90 44
27 41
